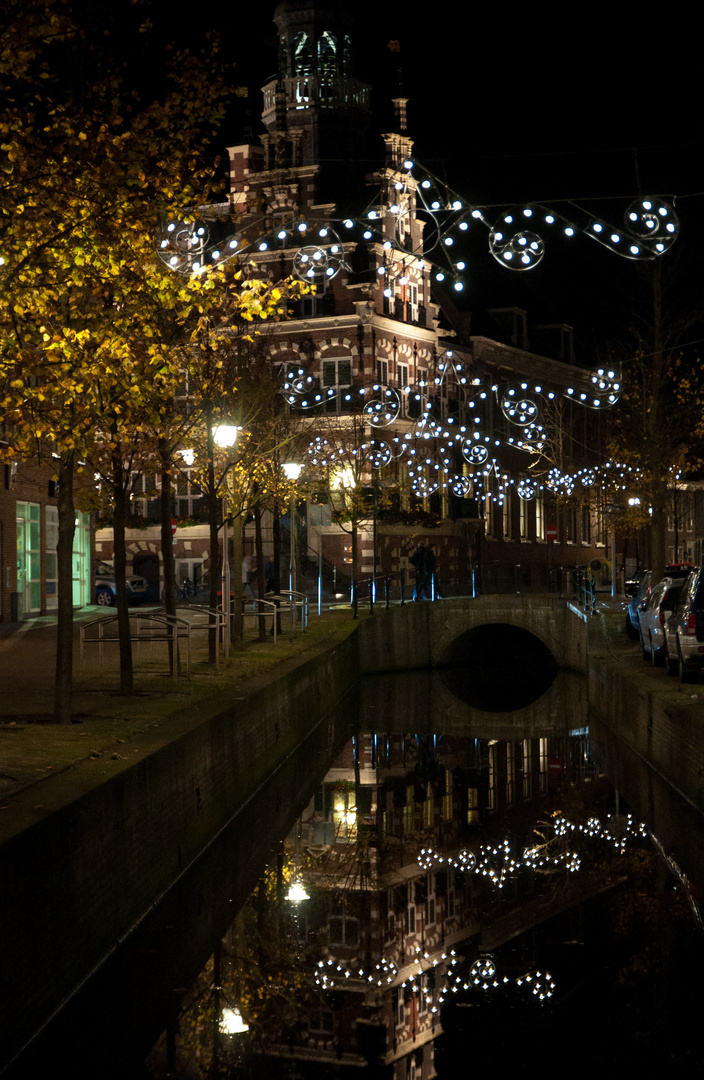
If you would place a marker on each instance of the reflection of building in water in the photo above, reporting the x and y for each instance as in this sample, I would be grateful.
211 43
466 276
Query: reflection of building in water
401 870
456 886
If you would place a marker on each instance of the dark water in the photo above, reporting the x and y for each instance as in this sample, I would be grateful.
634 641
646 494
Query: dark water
480 896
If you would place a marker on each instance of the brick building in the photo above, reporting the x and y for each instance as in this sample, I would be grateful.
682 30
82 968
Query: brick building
28 538
379 335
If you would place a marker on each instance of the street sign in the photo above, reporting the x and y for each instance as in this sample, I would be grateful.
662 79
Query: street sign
551 533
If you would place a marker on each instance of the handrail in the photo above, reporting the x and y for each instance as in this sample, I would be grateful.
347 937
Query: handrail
262 614
171 629
216 622
373 583
292 600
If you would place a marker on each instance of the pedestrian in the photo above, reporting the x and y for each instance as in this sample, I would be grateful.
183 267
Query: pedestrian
419 564
431 566
248 569
269 576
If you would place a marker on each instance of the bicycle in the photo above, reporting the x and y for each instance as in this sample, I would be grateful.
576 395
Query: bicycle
184 592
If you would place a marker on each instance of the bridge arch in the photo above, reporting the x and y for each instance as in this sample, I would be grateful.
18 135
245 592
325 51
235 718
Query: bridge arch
425 634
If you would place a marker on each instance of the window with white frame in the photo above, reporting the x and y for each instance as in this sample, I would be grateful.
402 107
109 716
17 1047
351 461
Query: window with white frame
382 372
598 524
144 490
506 514
343 929
335 375
539 515
188 496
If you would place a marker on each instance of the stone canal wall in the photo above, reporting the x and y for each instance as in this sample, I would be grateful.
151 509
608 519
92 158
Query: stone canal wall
96 853
654 717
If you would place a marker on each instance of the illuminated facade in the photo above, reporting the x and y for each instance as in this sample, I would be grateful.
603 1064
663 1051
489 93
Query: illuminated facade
376 361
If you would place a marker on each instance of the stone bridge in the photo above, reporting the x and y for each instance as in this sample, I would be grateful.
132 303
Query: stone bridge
425 634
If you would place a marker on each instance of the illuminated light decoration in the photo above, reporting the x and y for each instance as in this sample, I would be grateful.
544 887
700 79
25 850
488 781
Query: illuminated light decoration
461 486
325 262
383 409
651 228
475 454
519 412
527 489
526 248
423 485
379 453
180 240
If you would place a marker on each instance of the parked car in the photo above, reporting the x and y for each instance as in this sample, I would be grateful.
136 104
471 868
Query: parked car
660 605
631 585
636 604
685 630
106 590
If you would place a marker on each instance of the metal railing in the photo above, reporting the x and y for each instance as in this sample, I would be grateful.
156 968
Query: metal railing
292 602
378 585
150 628
263 609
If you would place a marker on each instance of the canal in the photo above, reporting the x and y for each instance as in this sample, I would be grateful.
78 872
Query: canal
437 876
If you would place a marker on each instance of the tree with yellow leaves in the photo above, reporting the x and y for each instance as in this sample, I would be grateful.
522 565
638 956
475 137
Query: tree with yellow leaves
89 172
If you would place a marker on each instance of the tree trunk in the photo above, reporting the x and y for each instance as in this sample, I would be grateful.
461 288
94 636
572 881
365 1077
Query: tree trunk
355 565
237 556
259 546
213 528
167 546
63 686
276 530
120 551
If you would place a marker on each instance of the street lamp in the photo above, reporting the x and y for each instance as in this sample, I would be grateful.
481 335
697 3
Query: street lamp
231 1022
292 471
225 436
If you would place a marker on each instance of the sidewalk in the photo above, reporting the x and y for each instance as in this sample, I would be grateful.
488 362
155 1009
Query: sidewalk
32 747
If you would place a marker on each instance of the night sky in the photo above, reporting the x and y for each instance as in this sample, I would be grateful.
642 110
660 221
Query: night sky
591 111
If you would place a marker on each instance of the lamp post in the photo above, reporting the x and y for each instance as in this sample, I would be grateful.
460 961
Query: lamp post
292 471
225 436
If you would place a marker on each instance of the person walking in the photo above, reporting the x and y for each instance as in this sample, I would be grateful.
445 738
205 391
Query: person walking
419 564
431 563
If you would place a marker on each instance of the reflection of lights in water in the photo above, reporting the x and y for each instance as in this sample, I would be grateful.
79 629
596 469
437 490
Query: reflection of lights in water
497 863
482 976
297 892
